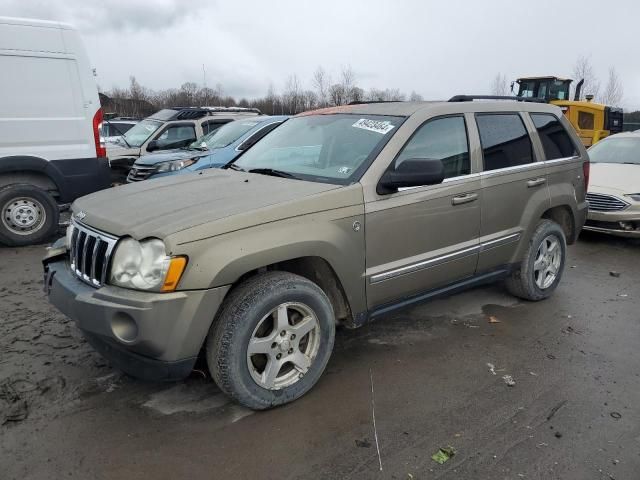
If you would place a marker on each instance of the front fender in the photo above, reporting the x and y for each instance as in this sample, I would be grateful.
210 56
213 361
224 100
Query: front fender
330 235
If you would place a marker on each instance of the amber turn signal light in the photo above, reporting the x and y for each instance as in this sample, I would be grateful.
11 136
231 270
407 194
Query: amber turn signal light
174 272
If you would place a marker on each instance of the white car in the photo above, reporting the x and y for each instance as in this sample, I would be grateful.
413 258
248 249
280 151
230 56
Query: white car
614 186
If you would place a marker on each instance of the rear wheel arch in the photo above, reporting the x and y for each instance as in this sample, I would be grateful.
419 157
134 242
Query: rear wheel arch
563 216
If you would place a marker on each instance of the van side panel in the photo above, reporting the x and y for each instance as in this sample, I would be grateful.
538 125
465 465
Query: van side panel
43 116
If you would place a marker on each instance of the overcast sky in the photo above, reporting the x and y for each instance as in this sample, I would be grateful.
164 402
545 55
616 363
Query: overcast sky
437 48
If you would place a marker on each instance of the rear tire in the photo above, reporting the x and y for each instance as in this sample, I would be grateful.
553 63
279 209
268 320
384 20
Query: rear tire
541 269
28 215
271 340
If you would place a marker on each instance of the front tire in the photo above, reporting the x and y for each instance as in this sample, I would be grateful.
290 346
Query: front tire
271 340
540 271
28 215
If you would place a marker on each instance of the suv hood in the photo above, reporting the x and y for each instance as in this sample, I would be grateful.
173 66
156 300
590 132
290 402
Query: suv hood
166 156
615 176
158 208
118 151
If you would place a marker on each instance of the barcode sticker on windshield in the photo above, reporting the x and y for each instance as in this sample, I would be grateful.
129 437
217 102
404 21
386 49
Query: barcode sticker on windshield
377 126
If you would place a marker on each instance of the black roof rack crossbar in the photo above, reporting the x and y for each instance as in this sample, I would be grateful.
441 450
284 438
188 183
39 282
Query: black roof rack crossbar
470 98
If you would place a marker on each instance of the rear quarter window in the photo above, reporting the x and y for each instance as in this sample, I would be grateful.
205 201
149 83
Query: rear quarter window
556 141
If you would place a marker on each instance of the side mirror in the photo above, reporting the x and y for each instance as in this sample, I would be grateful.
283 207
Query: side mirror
413 172
152 146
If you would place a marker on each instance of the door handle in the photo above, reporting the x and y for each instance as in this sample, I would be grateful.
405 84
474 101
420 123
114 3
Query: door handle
466 198
537 182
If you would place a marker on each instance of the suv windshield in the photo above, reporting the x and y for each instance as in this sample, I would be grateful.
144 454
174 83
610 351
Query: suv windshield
225 135
616 150
141 131
322 148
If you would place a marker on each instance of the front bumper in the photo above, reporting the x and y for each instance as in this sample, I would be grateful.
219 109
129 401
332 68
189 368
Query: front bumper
153 336
622 223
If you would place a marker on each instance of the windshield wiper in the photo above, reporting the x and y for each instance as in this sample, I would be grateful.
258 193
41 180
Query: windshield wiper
273 173
125 140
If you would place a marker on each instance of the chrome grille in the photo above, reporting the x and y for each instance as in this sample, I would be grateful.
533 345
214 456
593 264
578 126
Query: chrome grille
140 172
605 203
90 253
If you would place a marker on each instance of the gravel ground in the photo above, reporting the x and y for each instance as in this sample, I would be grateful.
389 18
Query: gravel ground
573 412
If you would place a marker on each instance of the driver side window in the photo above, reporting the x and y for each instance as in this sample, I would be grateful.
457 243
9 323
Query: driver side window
178 132
443 139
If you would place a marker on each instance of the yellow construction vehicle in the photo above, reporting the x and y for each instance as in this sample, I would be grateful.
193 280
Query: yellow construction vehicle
593 121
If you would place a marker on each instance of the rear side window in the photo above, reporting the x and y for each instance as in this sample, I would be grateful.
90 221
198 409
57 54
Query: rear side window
443 139
209 127
556 142
505 141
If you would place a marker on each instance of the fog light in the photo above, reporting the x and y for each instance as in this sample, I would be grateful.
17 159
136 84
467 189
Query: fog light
626 226
124 327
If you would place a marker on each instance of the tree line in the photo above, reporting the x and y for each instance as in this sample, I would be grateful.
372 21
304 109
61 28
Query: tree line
322 90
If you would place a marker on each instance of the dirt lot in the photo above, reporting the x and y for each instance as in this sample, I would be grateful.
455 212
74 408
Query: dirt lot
573 413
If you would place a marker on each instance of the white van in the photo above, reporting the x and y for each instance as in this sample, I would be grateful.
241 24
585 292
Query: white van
50 120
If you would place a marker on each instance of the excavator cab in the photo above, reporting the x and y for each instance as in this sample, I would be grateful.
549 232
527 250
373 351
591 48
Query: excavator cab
543 88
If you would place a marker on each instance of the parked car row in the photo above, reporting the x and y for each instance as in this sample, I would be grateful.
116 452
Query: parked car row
168 129
247 238
213 150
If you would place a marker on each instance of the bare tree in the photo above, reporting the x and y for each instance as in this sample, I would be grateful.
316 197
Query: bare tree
321 81
337 94
613 91
584 70
188 93
499 85
386 95
293 95
415 97
348 82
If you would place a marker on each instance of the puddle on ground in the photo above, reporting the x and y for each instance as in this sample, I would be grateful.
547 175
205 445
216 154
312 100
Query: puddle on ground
187 398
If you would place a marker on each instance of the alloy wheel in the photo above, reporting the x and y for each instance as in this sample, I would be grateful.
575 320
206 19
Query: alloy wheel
283 346
547 263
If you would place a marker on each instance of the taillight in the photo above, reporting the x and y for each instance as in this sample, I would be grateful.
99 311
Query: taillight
586 169
101 151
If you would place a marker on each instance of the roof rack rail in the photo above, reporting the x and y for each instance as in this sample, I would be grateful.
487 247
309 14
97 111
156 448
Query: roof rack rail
470 98
191 113
365 102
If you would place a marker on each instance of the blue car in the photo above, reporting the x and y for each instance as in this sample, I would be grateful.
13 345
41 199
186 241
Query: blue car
214 150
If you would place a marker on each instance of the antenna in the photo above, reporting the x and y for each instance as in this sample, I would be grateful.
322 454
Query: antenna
204 77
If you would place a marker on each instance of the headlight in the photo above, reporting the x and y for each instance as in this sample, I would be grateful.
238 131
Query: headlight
635 196
174 165
145 266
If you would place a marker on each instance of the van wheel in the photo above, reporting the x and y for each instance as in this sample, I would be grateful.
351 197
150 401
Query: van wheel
543 264
29 215
271 340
